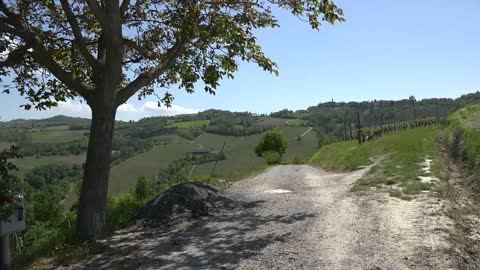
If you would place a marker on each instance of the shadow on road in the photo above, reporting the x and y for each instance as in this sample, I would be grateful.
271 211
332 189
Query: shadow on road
218 242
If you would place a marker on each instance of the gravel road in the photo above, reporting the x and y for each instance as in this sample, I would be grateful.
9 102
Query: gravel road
298 217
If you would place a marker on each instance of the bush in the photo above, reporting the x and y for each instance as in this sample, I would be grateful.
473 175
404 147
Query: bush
121 208
272 140
143 189
271 157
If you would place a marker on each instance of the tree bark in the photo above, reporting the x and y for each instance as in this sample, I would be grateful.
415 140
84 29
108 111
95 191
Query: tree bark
91 221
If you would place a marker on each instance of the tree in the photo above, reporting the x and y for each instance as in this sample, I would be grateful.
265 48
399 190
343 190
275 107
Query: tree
413 103
272 141
104 52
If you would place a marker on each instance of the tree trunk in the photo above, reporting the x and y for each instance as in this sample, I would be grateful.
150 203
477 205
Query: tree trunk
91 221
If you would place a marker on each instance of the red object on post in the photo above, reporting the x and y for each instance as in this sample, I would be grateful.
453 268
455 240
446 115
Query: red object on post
5 198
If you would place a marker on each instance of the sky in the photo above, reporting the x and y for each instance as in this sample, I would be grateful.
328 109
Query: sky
387 49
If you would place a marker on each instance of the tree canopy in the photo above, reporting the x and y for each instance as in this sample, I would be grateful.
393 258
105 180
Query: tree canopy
55 50
272 140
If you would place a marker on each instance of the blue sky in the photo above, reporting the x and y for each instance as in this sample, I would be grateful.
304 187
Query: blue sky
387 49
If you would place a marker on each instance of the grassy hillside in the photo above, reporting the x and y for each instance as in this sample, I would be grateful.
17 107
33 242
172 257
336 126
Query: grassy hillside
27 163
191 124
297 122
403 154
463 137
56 135
124 175
241 161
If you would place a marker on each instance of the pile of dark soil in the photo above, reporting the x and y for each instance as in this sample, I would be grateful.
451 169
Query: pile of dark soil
183 202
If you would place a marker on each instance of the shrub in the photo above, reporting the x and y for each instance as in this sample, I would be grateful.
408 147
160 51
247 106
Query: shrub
143 189
271 157
120 208
272 140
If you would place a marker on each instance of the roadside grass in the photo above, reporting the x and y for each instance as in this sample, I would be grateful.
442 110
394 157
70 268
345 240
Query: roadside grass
463 138
346 156
191 124
401 156
297 122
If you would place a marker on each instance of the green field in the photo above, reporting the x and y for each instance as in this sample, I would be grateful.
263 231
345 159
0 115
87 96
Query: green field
124 175
49 128
191 124
302 149
4 145
297 122
241 160
47 136
401 153
27 163
267 121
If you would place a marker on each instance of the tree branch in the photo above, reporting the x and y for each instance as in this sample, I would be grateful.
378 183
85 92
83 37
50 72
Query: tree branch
97 11
19 29
147 77
132 44
124 7
79 40
14 57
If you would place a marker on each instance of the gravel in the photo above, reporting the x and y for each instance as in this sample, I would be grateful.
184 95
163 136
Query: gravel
292 217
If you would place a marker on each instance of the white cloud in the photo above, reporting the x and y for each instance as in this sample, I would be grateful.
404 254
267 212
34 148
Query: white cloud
125 112
151 108
127 108
69 108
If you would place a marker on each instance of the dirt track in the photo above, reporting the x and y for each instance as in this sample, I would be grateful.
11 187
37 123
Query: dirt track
299 217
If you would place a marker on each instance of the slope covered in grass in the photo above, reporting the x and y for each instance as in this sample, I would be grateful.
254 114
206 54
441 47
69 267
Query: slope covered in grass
463 137
240 161
403 159
191 124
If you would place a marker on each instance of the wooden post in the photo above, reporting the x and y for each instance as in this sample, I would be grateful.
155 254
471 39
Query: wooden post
350 127
5 262
216 161
359 129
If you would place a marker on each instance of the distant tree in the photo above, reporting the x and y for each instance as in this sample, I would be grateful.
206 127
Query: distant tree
413 103
108 51
273 141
